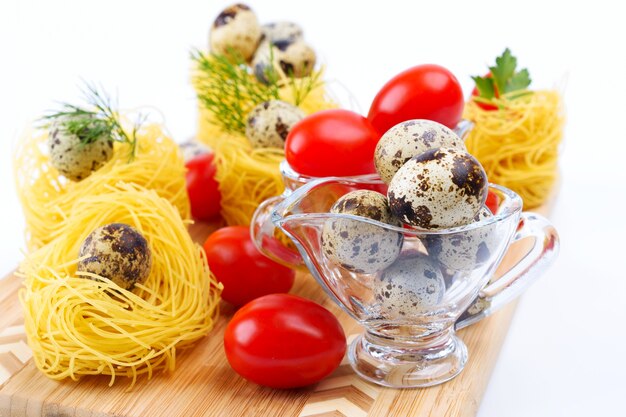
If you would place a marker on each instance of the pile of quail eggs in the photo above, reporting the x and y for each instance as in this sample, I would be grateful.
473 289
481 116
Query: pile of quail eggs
276 46
433 184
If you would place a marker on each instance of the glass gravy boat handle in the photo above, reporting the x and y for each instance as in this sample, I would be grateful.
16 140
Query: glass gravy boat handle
463 128
513 282
263 232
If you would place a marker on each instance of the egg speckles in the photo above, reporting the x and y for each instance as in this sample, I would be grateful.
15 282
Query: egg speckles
235 28
269 123
437 189
297 60
408 139
289 58
76 160
409 286
464 251
279 32
356 245
193 148
118 252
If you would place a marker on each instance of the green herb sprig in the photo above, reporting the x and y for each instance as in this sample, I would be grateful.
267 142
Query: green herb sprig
100 118
503 79
228 89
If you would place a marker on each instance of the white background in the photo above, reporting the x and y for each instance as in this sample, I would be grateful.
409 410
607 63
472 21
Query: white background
564 355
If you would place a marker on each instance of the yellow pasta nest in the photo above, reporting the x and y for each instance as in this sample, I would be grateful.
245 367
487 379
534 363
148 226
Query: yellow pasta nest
518 144
47 197
78 323
248 176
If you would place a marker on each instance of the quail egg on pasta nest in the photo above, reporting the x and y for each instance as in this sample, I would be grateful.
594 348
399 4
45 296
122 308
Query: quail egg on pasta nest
194 148
356 245
269 123
282 31
72 157
410 285
118 252
464 251
438 189
290 58
236 29
408 139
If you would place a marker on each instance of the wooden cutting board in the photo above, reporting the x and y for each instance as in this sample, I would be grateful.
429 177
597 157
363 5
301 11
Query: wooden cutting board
204 384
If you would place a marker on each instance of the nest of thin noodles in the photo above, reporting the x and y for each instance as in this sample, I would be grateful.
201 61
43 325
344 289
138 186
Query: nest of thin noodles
248 176
78 323
518 144
47 197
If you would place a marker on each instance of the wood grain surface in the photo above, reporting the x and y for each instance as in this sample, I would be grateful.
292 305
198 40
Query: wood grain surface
204 384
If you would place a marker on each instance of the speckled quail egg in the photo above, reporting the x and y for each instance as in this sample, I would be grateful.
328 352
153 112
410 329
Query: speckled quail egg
277 32
297 59
269 123
409 286
464 251
118 252
74 159
289 58
356 245
237 29
438 189
262 61
193 148
407 139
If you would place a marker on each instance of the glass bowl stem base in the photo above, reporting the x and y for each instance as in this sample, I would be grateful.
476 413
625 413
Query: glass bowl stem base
402 363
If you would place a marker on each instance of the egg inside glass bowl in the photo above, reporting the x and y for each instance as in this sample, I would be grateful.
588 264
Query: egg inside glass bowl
412 305
272 242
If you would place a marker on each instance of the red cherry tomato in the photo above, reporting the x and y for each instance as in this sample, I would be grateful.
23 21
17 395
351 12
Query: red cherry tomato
492 202
486 106
202 188
245 272
284 341
332 143
422 92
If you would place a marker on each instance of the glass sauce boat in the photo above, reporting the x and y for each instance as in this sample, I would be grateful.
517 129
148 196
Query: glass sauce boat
438 283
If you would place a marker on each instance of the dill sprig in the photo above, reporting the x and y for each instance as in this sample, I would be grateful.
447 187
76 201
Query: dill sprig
301 87
100 119
228 89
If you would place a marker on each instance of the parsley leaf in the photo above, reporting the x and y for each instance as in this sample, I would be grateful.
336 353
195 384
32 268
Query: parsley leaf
502 78
504 69
485 87
519 81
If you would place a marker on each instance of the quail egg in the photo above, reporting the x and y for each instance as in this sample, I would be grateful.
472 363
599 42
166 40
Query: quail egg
409 285
356 245
407 139
277 32
289 58
73 158
440 188
297 59
237 29
193 148
118 252
269 123
464 251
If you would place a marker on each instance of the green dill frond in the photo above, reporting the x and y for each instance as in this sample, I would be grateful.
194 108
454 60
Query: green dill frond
301 87
227 88
99 118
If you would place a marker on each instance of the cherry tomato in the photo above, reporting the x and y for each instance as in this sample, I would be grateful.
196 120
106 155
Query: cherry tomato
332 143
284 341
492 202
422 92
486 106
245 272
202 188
